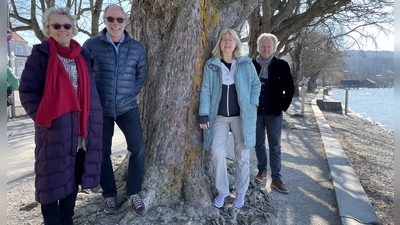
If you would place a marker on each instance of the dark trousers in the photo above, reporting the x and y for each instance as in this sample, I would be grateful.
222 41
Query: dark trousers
130 125
60 212
273 126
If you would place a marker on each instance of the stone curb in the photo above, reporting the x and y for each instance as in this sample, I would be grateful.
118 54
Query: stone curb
353 203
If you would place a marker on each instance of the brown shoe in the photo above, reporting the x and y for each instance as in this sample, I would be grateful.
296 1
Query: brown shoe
279 186
262 175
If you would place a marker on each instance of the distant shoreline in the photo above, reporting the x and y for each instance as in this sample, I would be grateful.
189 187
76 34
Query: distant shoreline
352 112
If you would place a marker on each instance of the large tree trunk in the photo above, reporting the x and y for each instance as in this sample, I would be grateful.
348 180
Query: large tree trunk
178 36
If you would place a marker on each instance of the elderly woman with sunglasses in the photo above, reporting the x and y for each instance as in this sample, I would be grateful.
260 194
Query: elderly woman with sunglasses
58 92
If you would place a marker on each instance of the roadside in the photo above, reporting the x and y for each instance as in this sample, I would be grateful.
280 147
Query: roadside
370 150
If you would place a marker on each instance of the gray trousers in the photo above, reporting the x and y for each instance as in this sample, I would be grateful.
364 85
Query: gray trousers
218 150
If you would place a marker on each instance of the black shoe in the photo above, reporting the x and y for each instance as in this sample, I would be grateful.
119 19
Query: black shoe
137 204
109 205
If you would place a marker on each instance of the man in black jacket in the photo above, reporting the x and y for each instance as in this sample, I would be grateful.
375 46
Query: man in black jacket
276 94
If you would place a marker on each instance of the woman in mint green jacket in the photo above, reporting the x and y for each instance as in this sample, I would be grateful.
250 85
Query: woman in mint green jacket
228 103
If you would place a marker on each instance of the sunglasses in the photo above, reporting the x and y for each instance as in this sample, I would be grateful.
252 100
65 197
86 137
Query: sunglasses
111 19
58 26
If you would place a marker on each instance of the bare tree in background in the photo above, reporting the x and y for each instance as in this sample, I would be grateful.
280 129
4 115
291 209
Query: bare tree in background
27 15
340 17
318 55
348 19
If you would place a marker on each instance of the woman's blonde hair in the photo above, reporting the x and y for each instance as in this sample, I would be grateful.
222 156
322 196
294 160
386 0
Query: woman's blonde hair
216 52
58 11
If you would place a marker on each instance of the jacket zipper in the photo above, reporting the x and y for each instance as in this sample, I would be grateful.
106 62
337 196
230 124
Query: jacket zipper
114 106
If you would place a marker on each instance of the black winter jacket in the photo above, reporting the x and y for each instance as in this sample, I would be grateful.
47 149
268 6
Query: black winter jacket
277 97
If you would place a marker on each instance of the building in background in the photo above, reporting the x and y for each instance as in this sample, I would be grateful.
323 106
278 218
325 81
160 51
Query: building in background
366 83
369 83
350 83
20 50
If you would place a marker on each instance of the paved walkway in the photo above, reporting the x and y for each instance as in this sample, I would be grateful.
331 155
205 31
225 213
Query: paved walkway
322 184
305 171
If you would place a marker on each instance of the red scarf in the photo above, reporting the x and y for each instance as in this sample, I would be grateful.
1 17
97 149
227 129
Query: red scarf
59 96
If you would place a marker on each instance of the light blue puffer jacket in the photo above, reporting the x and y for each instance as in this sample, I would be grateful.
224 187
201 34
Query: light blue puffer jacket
248 87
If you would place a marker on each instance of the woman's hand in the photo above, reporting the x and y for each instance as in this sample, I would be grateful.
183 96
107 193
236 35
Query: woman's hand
204 125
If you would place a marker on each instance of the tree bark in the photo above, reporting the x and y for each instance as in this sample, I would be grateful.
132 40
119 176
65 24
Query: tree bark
255 30
178 37
295 56
96 11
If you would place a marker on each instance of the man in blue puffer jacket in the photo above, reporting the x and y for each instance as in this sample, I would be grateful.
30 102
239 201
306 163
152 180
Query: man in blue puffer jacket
119 64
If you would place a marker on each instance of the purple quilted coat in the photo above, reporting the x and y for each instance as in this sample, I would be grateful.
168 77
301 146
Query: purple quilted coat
56 147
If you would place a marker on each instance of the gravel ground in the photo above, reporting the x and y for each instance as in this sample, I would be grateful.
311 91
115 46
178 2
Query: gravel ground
370 150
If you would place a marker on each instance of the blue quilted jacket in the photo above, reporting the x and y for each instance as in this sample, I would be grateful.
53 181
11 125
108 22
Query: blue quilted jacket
56 147
248 87
119 77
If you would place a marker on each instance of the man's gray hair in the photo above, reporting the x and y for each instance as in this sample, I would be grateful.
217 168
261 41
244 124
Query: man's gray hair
114 5
265 36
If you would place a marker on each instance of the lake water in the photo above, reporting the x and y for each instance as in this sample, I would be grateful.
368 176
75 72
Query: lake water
375 104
